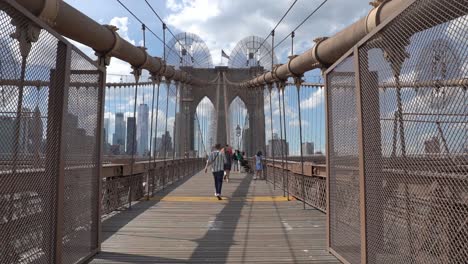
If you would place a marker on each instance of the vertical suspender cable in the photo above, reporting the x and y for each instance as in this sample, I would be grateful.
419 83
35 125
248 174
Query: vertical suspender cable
156 127
143 28
286 152
168 83
174 132
292 42
279 88
151 144
137 76
271 111
298 87
272 142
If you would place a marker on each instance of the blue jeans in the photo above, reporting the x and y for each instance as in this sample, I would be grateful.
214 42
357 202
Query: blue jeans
218 180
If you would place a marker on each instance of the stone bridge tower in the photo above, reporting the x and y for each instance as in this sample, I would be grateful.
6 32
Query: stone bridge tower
221 92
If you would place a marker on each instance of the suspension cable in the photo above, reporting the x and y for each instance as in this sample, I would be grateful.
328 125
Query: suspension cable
277 24
302 23
298 26
170 31
147 28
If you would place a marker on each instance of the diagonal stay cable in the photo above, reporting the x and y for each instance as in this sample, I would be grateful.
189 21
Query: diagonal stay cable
149 29
277 24
168 29
298 26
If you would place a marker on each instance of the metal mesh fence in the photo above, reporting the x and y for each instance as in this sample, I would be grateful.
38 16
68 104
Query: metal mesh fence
48 146
27 201
415 119
343 162
413 106
81 160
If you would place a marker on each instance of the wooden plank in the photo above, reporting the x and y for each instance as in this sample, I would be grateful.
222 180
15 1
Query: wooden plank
254 224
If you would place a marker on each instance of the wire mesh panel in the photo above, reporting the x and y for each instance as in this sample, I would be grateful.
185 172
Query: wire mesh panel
344 163
27 179
49 151
81 160
415 121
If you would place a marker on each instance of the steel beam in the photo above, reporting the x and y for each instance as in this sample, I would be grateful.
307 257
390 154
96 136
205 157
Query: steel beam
75 25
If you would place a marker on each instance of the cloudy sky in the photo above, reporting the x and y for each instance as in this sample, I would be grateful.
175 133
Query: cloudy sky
222 23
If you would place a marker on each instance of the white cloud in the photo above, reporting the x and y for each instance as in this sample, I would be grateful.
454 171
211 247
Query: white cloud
222 23
173 5
295 123
122 24
315 99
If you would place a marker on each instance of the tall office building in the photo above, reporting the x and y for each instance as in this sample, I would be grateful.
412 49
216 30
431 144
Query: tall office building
308 148
119 134
157 141
142 129
130 136
166 143
106 130
277 147
432 146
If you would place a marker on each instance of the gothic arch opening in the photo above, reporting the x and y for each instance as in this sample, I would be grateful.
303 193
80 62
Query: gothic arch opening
238 121
204 126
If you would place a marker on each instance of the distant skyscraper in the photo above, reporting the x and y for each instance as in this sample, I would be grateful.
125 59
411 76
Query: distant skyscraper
35 136
142 129
432 146
6 135
106 130
119 135
307 148
166 143
157 142
130 138
277 147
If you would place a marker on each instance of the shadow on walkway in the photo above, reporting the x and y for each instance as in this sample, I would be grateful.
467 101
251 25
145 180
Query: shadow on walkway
115 222
224 229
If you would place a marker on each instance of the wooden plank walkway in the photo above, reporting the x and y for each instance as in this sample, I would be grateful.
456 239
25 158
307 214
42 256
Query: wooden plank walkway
187 224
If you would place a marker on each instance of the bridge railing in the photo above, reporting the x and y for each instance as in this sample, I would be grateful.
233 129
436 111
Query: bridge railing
122 185
309 187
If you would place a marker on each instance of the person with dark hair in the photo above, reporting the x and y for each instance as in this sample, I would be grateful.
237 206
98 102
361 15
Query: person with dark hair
216 160
243 163
227 166
258 165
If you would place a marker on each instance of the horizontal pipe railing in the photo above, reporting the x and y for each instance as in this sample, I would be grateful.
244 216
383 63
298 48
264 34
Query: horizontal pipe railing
289 179
122 184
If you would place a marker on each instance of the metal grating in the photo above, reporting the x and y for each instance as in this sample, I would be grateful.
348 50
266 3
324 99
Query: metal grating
415 118
48 180
81 160
344 164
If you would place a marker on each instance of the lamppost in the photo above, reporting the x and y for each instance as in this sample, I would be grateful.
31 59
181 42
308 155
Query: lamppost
238 134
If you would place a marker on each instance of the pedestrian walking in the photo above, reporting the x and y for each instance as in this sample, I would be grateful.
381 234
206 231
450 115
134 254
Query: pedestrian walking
258 165
228 164
235 161
216 160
